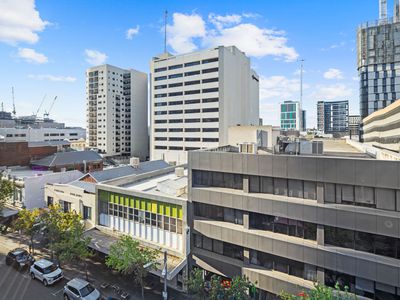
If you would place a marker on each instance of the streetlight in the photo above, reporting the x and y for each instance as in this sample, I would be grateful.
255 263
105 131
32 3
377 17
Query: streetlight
164 273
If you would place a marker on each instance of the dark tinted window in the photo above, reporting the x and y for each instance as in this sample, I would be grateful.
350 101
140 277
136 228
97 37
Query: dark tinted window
209 60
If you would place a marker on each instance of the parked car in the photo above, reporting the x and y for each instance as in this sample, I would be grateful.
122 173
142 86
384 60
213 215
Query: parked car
46 271
19 258
80 289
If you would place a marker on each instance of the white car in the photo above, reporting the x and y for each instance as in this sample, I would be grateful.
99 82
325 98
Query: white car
46 271
80 289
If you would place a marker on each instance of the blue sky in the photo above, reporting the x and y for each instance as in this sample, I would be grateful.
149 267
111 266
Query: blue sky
46 46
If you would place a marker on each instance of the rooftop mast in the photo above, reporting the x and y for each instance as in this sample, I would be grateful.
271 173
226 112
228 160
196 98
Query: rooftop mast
13 100
165 30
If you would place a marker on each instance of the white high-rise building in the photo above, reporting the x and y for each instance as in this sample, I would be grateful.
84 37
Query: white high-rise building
195 97
117 111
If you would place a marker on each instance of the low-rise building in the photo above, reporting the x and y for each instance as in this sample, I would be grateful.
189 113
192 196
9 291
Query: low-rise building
85 161
382 128
263 136
152 208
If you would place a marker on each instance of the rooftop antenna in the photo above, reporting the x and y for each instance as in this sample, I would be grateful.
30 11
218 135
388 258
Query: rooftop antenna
13 100
165 30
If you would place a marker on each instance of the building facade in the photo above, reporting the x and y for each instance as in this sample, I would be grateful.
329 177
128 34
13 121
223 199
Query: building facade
382 128
42 134
354 126
195 97
333 116
116 111
378 61
289 221
291 115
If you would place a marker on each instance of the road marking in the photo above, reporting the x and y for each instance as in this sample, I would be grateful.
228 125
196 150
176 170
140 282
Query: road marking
57 292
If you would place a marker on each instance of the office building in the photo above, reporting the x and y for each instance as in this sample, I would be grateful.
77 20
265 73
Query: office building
195 97
116 111
291 115
378 61
333 117
288 221
382 128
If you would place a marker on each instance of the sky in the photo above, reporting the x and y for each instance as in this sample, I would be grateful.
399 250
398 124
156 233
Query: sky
46 46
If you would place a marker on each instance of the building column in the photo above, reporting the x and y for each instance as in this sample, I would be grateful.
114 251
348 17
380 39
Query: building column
320 192
246 256
245 183
246 222
320 235
320 275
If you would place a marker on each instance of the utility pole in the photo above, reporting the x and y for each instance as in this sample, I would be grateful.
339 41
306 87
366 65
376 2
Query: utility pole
165 30
301 82
13 100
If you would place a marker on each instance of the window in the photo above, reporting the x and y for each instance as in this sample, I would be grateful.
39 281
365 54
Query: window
160 121
193 101
210 90
210 129
174 112
192 82
159 87
175 94
175 130
210 120
158 138
160 112
174 67
174 121
211 140
192 92
178 75
205 71
160 104
161 147
192 129
192 120
209 80
160 95
159 78
175 84
175 148
209 60
176 139
160 69
192 63
209 100
190 139
192 73
191 111
50 200
213 109
87 212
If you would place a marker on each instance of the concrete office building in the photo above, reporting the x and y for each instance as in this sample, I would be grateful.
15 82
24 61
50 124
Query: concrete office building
288 221
333 117
42 134
195 97
291 115
382 128
378 61
116 111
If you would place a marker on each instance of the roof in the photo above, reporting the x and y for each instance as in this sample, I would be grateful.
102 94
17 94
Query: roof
23 173
43 263
87 186
68 158
78 283
117 172
48 143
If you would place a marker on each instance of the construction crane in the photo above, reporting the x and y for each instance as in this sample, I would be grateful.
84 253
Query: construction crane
13 100
40 106
47 113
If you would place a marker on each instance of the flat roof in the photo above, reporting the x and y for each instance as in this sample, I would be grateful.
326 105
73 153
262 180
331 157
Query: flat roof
24 173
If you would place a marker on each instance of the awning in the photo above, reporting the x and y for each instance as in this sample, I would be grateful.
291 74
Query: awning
8 212
101 242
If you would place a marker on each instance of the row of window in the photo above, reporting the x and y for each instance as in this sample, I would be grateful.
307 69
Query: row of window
186 74
196 120
187 139
190 92
188 64
187 111
186 129
190 101
176 148
186 83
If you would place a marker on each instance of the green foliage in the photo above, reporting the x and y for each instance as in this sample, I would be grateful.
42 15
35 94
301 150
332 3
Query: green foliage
195 284
321 292
6 191
129 258
29 222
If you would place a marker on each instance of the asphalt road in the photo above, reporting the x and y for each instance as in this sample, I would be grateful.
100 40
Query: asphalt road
15 285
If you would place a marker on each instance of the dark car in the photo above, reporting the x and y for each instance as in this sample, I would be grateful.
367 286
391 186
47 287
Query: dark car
19 258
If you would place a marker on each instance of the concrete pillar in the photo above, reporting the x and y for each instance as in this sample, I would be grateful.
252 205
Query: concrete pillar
246 256
246 222
245 183
320 235
320 275
320 192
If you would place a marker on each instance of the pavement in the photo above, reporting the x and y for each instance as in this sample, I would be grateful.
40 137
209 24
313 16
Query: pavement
18 285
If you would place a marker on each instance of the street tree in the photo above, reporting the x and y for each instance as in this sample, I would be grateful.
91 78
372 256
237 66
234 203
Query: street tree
73 245
196 284
240 288
29 223
129 258
321 292
6 191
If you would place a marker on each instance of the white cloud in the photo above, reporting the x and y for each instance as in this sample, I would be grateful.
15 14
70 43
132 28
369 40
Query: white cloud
187 32
20 22
53 78
278 87
183 31
95 57
31 56
333 91
131 32
333 74
334 46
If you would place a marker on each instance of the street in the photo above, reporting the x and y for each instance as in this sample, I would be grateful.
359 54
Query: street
16 285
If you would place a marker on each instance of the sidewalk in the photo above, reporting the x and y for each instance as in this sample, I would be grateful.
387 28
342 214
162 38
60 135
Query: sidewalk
98 273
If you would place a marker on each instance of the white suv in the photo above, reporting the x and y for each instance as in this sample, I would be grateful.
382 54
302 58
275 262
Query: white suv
46 271
80 289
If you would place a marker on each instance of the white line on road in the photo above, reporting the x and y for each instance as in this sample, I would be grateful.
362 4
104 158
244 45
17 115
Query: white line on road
57 292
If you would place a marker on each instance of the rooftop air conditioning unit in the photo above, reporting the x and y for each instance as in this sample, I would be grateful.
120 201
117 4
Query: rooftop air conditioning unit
134 162
250 148
179 172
